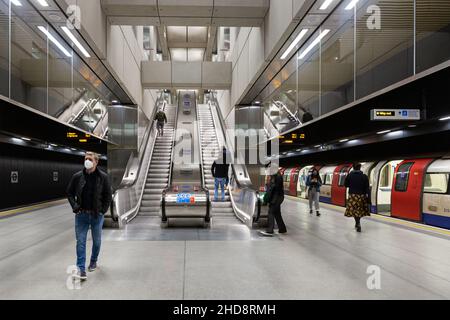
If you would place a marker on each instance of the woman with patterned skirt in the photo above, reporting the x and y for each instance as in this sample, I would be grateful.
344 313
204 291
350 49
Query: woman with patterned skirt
358 201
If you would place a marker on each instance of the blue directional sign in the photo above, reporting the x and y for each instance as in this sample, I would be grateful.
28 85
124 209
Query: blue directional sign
184 197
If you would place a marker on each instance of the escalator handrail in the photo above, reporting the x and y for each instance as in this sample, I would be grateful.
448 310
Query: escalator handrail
174 137
197 119
227 142
151 128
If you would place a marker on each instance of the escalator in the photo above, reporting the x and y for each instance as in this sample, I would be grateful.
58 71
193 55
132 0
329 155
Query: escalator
186 199
158 173
243 197
211 150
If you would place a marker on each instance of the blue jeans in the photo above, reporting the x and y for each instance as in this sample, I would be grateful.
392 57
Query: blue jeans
82 223
219 182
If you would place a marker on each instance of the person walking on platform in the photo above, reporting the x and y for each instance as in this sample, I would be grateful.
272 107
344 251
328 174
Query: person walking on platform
219 170
90 195
275 197
313 183
358 201
161 119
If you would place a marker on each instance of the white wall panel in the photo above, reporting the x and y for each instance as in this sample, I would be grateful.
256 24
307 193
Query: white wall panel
277 20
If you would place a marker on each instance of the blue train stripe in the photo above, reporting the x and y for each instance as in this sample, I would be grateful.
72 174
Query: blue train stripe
325 200
435 220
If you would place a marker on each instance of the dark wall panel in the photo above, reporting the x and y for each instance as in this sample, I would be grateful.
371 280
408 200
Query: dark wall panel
35 169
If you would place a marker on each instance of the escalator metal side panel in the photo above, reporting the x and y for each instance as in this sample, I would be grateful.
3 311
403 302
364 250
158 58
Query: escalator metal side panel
185 197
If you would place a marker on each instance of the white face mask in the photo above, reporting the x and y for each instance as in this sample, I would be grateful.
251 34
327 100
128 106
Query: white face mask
88 164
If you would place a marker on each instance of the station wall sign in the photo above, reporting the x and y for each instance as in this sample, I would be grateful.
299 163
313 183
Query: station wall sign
14 176
395 114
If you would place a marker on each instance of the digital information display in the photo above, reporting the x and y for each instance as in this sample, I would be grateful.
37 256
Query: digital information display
395 114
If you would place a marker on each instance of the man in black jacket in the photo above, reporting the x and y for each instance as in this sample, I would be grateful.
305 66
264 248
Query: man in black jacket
90 195
275 197
219 170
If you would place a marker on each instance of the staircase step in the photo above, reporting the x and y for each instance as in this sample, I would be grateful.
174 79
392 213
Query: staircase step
154 197
155 185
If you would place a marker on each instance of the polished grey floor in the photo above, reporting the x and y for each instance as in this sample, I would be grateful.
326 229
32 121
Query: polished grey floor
319 258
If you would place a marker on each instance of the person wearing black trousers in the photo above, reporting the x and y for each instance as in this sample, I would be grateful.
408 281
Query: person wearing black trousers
275 197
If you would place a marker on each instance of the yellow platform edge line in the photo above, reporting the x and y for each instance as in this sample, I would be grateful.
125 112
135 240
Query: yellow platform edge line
20 210
393 220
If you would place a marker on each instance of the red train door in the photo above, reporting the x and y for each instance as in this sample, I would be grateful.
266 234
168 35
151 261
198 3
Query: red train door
406 197
293 182
338 190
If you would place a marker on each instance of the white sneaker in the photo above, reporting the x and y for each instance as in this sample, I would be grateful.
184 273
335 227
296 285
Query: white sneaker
266 234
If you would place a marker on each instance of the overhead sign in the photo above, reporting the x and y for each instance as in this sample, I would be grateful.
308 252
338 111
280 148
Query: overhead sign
395 114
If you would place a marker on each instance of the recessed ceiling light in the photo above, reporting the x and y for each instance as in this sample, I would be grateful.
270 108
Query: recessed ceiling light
325 4
43 3
294 43
314 43
26 139
343 140
75 41
445 118
56 42
383 132
351 5
16 3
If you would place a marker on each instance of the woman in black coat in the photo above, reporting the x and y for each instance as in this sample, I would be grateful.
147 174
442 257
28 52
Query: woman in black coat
358 201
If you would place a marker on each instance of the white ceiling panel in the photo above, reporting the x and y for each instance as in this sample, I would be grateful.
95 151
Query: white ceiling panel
178 54
195 54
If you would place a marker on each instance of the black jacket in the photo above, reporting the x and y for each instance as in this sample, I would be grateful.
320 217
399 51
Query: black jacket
102 193
357 182
275 192
219 168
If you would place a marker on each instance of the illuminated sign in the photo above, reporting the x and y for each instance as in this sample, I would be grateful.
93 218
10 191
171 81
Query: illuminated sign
81 137
395 114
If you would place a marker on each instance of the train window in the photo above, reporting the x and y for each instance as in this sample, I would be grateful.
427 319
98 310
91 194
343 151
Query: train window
385 177
328 179
436 183
401 181
342 176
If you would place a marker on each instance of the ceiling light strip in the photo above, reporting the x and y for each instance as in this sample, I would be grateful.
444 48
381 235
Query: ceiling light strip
56 42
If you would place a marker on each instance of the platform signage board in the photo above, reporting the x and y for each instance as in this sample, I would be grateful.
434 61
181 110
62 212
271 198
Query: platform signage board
395 114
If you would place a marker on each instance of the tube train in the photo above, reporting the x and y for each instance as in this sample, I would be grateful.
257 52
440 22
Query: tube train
416 190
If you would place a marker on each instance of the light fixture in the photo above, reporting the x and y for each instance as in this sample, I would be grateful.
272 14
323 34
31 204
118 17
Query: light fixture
75 41
294 43
53 39
43 3
343 140
325 4
16 3
383 132
395 133
317 146
351 5
26 139
412 126
445 118
53 145
314 43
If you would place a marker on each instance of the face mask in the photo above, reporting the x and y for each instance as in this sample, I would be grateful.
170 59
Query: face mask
88 164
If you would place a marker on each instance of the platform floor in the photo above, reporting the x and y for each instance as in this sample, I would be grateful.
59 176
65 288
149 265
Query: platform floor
319 258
